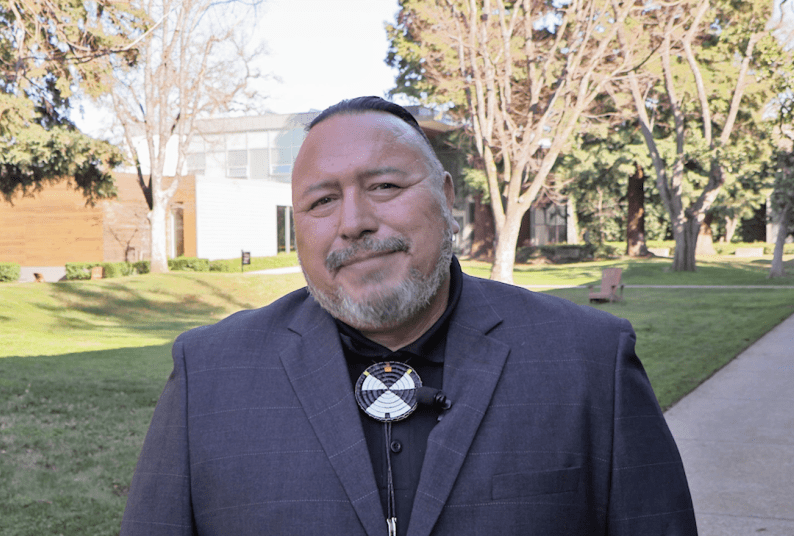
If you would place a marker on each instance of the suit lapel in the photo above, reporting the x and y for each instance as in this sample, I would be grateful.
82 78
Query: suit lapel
472 366
316 368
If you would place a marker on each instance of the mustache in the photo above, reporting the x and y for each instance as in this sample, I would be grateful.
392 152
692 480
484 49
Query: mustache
337 259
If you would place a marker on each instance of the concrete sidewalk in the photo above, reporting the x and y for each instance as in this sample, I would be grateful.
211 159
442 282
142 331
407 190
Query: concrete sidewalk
736 437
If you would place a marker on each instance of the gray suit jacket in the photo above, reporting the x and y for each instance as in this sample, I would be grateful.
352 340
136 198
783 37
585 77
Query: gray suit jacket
553 430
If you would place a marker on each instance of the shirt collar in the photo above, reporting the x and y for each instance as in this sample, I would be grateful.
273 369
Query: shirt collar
368 350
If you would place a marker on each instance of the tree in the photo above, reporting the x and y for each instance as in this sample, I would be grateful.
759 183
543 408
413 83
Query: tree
783 204
521 74
599 170
192 64
706 75
49 50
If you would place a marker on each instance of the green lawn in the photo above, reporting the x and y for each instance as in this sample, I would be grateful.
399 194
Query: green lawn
726 270
84 363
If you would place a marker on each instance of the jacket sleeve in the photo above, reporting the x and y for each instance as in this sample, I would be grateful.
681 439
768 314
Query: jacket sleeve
649 494
159 500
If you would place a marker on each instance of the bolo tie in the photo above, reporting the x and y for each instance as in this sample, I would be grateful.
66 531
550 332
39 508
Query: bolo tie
390 392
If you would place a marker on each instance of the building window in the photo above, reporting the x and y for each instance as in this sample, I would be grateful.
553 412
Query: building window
285 229
284 145
549 224
196 163
237 163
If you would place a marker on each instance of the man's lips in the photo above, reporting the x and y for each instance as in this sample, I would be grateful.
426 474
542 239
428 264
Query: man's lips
365 249
364 258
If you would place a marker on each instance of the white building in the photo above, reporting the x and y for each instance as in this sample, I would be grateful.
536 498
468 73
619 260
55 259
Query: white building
243 167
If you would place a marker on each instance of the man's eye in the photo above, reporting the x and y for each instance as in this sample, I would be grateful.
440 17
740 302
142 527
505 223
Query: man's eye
385 186
320 202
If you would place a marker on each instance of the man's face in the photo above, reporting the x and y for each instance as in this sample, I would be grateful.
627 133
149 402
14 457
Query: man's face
371 219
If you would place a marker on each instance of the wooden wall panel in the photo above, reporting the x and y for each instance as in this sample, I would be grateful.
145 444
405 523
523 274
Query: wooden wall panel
55 226
51 228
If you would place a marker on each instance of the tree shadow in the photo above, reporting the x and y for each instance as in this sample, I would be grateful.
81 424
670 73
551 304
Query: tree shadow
159 312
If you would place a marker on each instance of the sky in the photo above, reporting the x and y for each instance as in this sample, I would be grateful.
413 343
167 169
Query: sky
325 51
321 51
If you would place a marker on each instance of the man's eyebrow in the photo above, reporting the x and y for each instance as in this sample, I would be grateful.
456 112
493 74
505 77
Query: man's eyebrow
366 174
381 171
322 185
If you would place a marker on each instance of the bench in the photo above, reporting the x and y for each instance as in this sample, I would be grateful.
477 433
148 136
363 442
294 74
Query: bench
749 252
610 283
660 252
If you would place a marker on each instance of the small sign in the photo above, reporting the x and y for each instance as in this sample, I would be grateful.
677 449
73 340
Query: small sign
245 259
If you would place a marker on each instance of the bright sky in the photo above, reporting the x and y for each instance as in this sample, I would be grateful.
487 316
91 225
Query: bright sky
325 51
322 51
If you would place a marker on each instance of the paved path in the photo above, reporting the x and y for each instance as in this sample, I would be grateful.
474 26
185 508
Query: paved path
736 437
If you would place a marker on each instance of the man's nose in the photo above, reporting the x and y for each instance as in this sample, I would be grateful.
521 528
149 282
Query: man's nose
357 217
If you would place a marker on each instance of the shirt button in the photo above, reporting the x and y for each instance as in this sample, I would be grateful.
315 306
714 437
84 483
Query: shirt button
396 446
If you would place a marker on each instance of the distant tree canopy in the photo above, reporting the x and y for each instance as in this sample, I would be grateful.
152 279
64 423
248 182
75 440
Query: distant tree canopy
49 50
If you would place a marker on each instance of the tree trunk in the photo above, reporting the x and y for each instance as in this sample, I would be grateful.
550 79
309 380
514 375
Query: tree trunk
506 239
730 227
635 223
777 269
705 240
159 256
686 236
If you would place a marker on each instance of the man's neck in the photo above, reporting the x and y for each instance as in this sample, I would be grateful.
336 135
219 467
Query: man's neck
396 337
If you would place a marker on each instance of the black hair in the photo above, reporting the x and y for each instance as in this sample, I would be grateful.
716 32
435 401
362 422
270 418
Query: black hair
369 104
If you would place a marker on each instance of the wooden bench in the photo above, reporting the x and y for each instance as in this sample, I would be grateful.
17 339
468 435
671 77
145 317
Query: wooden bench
610 283
660 252
749 252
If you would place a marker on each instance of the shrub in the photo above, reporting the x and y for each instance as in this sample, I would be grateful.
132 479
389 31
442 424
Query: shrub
9 271
116 269
79 270
82 270
221 266
141 267
189 264
556 253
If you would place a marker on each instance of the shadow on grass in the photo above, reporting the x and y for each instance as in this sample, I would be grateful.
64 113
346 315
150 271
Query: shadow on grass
158 311
71 430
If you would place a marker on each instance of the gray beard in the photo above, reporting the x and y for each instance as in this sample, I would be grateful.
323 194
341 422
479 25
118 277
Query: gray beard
394 306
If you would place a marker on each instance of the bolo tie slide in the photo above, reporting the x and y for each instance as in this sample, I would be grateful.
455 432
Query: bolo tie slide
388 392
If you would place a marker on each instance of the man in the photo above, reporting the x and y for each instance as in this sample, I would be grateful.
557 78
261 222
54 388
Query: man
534 415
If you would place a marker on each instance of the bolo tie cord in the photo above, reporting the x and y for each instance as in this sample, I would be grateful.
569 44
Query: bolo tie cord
391 518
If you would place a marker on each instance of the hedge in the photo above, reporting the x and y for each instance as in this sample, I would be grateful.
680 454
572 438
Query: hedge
9 271
189 264
82 270
223 265
564 253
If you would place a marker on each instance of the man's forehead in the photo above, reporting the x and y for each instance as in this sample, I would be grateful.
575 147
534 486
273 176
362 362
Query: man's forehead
359 123
343 139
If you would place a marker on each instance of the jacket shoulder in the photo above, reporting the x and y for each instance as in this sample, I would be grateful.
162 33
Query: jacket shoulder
515 304
261 324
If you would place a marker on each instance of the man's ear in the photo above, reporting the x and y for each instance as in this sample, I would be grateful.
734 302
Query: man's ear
449 194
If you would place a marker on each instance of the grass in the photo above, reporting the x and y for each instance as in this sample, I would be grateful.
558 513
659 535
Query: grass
84 363
719 270
142 310
71 429
281 260
685 335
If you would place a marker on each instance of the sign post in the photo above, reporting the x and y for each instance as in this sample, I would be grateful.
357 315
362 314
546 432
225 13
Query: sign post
245 258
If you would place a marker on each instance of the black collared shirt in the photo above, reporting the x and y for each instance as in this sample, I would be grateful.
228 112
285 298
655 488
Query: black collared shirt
409 436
